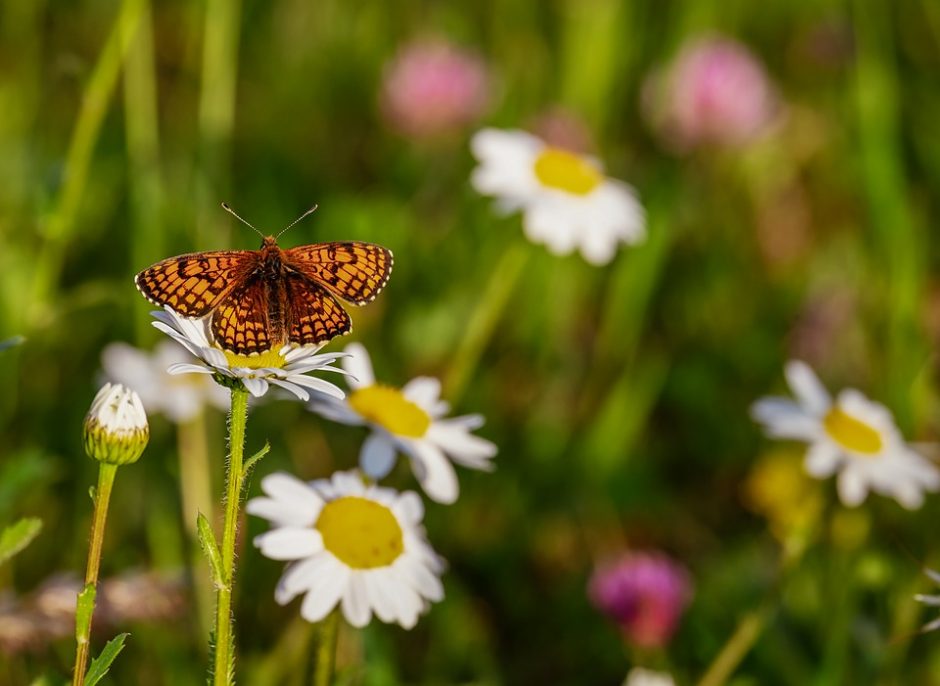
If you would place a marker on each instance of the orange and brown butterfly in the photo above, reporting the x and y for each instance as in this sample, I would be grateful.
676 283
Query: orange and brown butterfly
260 300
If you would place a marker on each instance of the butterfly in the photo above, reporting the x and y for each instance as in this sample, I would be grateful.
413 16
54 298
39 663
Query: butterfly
259 300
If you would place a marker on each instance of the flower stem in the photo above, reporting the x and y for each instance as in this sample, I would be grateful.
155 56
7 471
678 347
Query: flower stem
326 650
85 611
224 638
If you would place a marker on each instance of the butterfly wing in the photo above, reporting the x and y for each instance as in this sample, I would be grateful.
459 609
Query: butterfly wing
194 284
313 315
240 323
353 271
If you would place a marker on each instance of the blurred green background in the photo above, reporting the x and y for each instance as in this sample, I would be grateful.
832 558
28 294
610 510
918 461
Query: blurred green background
618 396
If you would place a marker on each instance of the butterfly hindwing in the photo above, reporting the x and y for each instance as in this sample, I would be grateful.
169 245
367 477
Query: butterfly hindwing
194 284
353 270
313 315
240 323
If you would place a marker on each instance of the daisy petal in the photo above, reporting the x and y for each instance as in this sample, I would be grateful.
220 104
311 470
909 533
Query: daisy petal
359 366
434 472
377 456
807 388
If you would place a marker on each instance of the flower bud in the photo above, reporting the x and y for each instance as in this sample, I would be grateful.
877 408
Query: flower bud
116 430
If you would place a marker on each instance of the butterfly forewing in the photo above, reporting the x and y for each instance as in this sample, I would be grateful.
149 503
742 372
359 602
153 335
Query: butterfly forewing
241 325
257 300
314 315
193 285
353 271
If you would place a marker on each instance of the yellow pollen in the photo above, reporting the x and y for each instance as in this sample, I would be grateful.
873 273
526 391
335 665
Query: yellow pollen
566 171
271 358
851 433
387 407
362 533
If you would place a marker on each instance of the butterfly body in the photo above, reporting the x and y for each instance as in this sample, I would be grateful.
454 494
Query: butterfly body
259 300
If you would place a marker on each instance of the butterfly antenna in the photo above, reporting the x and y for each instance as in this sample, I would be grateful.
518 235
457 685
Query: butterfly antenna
228 209
305 214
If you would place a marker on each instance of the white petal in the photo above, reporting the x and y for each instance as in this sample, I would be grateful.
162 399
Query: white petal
410 507
852 486
279 512
423 391
359 366
463 447
420 578
334 410
377 456
323 596
289 543
319 385
807 388
382 603
303 575
783 418
292 387
822 459
283 486
257 387
356 606
434 472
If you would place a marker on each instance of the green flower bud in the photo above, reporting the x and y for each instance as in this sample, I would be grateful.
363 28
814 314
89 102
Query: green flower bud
116 430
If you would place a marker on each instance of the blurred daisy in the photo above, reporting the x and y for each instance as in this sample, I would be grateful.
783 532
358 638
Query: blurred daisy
853 436
930 601
645 593
647 677
566 201
287 367
362 547
179 398
408 420
434 88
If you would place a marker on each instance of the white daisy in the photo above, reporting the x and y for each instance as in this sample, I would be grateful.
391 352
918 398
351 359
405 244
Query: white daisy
179 398
286 367
409 420
566 200
361 546
853 436
639 676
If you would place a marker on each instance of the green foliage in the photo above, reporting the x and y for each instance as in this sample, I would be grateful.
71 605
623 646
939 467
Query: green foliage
17 536
211 550
100 665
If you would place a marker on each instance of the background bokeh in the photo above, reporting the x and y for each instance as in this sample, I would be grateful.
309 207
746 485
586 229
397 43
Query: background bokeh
618 395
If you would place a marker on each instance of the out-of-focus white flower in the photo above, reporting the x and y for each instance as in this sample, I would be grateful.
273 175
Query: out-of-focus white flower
179 398
359 546
647 677
116 429
566 200
716 92
433 88
287 367
410 420
930 601
852 436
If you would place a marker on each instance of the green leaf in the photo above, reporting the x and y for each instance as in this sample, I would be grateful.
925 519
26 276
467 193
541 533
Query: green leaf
254 459
17 536
211 549
101 664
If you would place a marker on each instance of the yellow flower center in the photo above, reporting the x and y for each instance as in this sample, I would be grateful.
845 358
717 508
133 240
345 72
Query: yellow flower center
851 433
387 407
271 358
567 172
362 533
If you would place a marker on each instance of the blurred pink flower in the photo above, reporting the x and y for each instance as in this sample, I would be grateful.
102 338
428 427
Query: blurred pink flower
715 92
645 593
434 88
